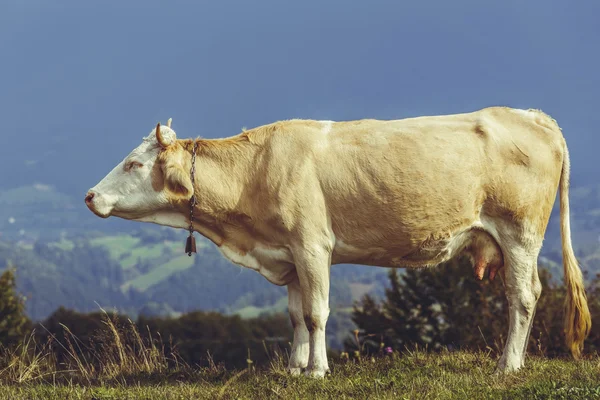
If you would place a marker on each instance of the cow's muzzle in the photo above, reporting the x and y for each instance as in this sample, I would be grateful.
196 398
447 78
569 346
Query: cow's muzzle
92 202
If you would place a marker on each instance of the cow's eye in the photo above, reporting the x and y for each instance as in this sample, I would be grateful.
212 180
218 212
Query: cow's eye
133 165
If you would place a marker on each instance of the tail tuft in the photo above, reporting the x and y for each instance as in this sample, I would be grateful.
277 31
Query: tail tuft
578 322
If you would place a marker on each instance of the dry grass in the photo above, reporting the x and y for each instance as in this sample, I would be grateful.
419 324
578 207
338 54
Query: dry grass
126 365
122 354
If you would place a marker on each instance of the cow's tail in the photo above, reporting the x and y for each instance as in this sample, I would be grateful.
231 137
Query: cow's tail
577 323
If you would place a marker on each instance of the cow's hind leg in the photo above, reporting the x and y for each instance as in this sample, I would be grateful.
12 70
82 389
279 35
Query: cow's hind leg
523 289
300 346
537 291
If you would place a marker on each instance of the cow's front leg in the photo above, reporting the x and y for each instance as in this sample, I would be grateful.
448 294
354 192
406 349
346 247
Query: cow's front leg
313 265
300 346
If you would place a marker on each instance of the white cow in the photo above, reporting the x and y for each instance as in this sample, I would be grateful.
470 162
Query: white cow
290 199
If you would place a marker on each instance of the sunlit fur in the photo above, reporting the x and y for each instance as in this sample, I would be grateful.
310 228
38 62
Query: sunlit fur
291 198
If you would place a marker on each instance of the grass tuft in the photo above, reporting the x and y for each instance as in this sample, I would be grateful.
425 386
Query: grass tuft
124 364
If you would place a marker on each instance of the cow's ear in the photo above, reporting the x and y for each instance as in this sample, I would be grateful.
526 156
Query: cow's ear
178 182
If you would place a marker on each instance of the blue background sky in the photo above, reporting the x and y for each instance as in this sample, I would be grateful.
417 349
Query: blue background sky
81 82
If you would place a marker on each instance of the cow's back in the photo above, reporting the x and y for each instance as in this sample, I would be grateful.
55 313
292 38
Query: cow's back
408 181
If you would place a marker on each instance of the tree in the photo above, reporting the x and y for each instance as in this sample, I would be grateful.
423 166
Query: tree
13 321
447 307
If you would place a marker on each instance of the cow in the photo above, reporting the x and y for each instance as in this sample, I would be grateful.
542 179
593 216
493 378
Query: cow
292 198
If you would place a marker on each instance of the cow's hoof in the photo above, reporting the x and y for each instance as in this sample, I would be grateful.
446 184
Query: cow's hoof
316 372
295 371
503 369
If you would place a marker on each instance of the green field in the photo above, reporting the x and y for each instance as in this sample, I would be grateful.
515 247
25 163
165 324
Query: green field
161 272
254 312
143 253
412 375
165 258
116 245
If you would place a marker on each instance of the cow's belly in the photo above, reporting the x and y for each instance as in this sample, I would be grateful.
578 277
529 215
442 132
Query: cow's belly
273 263
401 253
474 241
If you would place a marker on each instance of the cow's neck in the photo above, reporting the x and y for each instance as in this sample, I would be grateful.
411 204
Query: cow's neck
223 171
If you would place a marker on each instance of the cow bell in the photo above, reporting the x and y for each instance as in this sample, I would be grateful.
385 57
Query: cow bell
190 245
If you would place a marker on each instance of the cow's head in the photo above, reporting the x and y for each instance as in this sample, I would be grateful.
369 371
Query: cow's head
150 179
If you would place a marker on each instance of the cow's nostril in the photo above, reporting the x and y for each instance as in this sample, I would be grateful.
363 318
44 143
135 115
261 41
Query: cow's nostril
89 197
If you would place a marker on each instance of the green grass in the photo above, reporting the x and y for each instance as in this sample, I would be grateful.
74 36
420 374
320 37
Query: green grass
161 272
147 252
64 244
405 376
116 245
254 312
127 250
179 246
159 251
165 258
127 366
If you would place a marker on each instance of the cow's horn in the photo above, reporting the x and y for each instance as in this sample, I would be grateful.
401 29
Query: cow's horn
169 122
159 137
165 139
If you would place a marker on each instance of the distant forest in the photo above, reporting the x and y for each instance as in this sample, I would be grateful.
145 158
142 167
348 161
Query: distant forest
440 309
